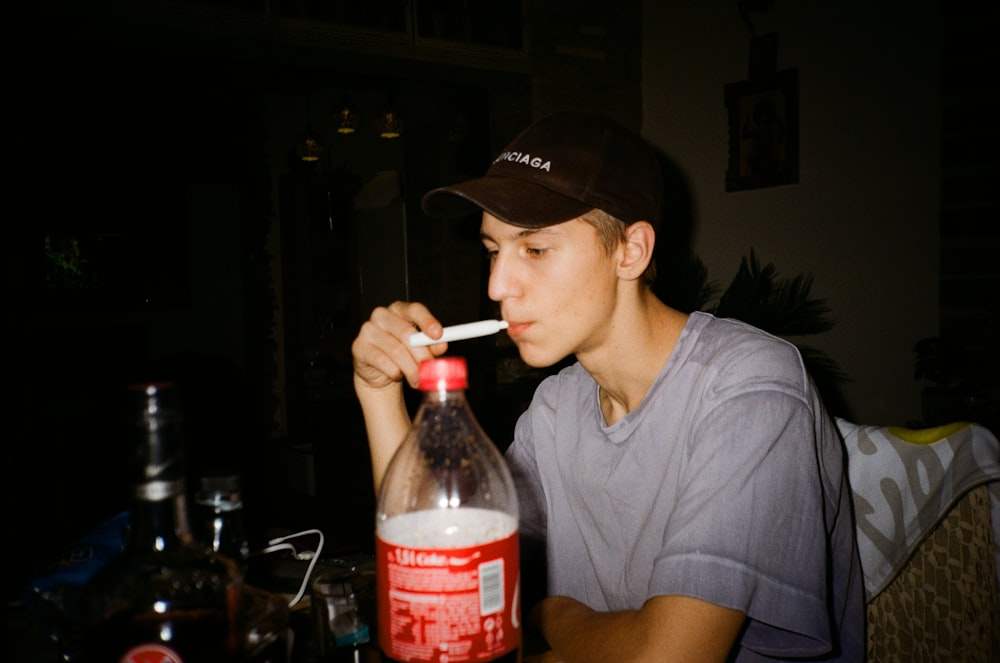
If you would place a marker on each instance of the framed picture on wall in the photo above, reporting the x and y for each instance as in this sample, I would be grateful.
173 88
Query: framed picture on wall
763 132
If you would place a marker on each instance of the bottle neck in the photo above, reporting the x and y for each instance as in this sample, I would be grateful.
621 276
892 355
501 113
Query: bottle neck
159 517
444 396
443 416
159 499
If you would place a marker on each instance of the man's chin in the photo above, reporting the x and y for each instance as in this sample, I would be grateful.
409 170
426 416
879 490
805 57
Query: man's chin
538 360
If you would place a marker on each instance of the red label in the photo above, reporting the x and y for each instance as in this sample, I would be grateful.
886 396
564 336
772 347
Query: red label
455 604
151 654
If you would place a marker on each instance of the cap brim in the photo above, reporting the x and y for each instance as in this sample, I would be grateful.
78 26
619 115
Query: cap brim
514 201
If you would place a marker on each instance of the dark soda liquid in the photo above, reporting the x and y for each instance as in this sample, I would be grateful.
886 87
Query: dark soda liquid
197 636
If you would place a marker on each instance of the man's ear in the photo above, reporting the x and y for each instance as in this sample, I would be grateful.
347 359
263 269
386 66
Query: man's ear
639 241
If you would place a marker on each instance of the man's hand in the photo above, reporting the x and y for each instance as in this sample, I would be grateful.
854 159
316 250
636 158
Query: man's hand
381 352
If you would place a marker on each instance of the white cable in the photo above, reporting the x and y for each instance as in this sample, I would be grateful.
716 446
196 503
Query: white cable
311 555
276 548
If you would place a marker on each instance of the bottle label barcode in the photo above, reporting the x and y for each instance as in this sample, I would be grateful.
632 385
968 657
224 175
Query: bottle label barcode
491 587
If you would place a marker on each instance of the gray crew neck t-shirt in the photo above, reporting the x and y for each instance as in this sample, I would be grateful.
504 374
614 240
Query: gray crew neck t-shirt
727 483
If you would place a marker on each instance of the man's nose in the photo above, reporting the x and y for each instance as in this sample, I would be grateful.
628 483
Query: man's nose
501 283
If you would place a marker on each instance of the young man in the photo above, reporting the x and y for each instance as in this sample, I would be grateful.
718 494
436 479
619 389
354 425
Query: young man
683 475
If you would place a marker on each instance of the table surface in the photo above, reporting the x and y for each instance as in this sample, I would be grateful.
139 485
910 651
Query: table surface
27 644
281 579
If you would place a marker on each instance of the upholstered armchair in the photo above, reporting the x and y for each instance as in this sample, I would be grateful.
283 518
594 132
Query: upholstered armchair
927 504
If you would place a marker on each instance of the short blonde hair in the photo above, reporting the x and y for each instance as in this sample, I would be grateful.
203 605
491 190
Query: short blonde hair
612 233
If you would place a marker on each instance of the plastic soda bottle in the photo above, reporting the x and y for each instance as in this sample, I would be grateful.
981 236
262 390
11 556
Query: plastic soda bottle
446 544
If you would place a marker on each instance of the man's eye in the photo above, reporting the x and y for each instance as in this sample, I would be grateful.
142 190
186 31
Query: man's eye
535 252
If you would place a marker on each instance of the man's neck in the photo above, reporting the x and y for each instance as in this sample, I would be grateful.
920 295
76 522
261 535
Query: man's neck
627 368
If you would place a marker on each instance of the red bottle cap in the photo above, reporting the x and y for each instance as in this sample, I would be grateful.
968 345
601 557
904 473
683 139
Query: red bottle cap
447 373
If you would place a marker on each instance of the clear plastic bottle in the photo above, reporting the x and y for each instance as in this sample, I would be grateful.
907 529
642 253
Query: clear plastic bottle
447 559
166 597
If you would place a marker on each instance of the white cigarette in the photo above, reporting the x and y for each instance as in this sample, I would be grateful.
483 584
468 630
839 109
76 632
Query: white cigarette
460 332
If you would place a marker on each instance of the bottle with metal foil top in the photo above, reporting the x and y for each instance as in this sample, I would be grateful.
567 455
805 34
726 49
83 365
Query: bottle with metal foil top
166 597
446 545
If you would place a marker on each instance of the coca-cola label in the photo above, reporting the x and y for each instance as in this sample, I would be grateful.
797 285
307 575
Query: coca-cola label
452 605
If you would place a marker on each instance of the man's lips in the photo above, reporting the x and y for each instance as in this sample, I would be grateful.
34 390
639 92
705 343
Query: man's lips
517 328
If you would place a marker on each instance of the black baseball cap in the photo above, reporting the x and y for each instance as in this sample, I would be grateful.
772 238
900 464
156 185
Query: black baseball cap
559 168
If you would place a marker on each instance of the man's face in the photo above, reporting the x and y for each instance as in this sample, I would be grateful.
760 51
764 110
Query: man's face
556 286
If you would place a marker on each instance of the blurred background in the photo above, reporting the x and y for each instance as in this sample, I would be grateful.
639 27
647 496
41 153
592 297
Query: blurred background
219 192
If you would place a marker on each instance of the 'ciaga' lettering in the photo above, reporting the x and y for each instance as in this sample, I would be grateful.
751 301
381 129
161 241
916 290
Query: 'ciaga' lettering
526 159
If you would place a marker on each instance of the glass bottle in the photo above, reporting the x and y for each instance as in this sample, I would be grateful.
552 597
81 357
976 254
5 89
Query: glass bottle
166 597
219 516
446 544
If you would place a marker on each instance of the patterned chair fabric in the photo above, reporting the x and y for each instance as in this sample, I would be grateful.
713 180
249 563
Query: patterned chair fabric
943 604
927 504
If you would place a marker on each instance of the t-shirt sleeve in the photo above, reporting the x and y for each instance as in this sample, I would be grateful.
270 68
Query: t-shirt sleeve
532 513
531 500
749 529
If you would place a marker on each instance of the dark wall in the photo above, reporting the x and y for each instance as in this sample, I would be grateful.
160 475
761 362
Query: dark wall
125 131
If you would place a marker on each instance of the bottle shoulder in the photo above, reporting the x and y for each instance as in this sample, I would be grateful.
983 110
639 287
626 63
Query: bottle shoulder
446 461
186 577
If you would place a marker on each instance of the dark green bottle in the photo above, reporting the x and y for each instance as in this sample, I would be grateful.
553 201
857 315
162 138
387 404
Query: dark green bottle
166 597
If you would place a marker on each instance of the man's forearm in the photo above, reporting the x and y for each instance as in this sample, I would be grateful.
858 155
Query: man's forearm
674 628
579 634
386 422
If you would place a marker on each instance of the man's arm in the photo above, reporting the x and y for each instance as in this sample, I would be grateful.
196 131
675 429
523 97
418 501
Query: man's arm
383 359
387 422
667 628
